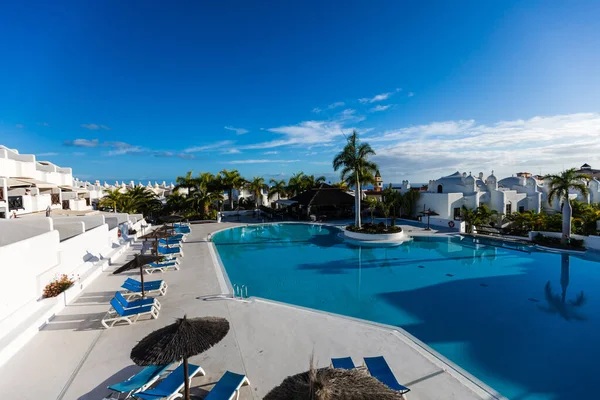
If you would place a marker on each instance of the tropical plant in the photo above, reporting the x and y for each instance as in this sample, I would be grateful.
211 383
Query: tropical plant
135 200
371 203
58 285
470 218
256 186
185 182
408 202
296 184
231 180
278 188
340 185
356 168
111 199
309 181
560 185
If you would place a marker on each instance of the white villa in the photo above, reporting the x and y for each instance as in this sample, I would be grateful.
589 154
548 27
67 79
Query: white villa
519 193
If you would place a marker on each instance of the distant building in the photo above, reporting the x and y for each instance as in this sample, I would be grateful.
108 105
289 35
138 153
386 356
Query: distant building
588 170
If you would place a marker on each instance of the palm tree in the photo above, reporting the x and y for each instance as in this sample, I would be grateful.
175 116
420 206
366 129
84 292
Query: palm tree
256 186
295 184
176 203
200 200
356 168
560 184
485 215
112 199
277 188
231 180
372 205
185 182
309 181
470 217
340 185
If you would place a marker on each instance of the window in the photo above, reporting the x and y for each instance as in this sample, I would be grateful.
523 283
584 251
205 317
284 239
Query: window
521 209
508 209
440 189
457 213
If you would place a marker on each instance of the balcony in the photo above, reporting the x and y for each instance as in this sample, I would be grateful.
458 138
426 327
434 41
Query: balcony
15 203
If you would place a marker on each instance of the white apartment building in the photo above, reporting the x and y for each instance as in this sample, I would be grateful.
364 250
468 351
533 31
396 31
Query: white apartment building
28 186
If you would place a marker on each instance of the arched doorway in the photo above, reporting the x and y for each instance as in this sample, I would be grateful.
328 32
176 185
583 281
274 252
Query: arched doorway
440 189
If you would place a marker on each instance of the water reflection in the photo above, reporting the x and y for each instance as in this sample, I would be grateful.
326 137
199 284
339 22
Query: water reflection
557 303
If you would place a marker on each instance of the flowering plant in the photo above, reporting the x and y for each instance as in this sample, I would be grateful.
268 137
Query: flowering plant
58 285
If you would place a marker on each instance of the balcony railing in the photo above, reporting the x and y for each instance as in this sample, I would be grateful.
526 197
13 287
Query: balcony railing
55 197
15 203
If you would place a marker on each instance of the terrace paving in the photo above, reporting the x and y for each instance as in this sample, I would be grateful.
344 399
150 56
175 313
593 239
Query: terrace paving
73 357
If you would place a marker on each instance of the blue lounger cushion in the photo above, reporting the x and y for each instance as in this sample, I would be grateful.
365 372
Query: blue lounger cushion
149 301
227 386
343 363
142 379
147 284
171 385
380 370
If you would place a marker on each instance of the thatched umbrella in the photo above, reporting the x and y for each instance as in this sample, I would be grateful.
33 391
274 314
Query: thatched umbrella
179 341
171 219
332 384
139 260
429 213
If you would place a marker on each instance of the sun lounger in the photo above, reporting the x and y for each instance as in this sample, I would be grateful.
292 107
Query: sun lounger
342 363
149 301
161 267
228 387
169 387
380 370
170 241
138 382
117 314
147 284
183 229
174 251
136 290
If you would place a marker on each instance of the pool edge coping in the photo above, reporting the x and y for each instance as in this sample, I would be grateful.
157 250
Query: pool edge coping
463 376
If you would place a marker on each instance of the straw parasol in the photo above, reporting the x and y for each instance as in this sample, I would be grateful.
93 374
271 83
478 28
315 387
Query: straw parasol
179 341
332 384
429 213
139 260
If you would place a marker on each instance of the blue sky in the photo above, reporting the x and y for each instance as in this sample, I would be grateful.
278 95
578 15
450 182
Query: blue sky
149 90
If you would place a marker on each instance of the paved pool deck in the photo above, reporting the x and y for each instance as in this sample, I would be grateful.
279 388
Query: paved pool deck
73 357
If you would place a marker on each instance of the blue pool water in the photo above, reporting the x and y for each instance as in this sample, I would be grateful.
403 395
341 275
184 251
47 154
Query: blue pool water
482 306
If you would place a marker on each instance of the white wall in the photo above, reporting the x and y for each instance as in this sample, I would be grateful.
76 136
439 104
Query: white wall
67 229
590 242
22 265
90 221
14 230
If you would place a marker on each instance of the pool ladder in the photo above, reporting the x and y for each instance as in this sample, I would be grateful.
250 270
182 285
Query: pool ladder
240 292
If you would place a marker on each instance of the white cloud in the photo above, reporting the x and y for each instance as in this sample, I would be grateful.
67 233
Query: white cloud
270 152
94 127
48 154
238 131
316 110
212 146
410 94
82 143
336 105
539 143
20 126
379 97
379 107
43 124
260 161
231 151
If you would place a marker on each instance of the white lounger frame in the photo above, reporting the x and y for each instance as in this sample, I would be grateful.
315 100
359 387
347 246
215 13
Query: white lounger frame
112 317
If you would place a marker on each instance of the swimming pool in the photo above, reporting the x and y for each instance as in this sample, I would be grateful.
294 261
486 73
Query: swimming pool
499 313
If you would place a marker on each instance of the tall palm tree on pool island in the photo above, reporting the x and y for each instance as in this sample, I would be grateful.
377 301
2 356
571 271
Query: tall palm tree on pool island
560 184
356 168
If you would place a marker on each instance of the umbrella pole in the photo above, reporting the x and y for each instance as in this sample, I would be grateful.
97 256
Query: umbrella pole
141 275
187 381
